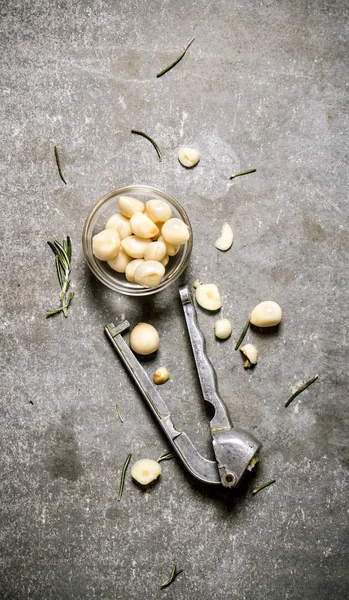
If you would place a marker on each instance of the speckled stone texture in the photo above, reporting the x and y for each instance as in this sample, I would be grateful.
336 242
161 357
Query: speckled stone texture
263 85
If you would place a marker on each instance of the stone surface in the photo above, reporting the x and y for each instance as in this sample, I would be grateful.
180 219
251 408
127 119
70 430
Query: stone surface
263 85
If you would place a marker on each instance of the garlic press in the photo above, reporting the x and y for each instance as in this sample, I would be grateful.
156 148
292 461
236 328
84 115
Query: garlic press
233 448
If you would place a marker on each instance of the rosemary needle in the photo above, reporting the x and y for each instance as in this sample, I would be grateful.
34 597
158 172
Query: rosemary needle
123 473
261 487
177 59
117 410
172 577
63 254
147 137
167 456
243 173
300 390
244 331
59 166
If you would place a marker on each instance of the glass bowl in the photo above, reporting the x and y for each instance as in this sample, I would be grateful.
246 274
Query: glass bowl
96 221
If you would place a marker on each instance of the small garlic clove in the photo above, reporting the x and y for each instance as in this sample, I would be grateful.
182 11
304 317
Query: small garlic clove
175 232
106 244
266 314
135 246
129 206
149 273
188 157
226 238
144 339
208 297
196 283
253 462
165 260
251 353
120 262
222 329
142 226
120 223
131 269
155 251
161 375
158 211
145 471
170 248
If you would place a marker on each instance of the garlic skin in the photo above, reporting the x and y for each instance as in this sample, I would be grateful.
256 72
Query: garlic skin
251 353
188 157
144 339
225 241
120 262
222 329
145 471
196 283
131 269
120 223
158 211
266 314
129 206
142 226
135 246
208 297
175 232
149 273
155 251
170 248
161 375
106 244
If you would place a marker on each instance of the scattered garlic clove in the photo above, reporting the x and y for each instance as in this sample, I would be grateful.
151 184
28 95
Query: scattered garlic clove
145 471
120 223
142 226
131 268
170 248
222 329
106 244
135 246
225 241
175 232
208 297
129 206
161 375
149 273
251 353
144 339
266 314
120 262
188 157
165 260
158 211
155 251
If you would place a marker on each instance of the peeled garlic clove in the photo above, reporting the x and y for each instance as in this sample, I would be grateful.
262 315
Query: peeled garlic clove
120 223
207 296
165 260
158 211
129 205
188 157
149 273
131 268
120 262
155 251
175 232
251 353
142 226
144 339
222 329
145 471
106 244
225 241
135 246
161 375
266 314
170 248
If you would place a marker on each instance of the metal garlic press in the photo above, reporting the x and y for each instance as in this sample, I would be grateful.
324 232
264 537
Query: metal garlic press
233 448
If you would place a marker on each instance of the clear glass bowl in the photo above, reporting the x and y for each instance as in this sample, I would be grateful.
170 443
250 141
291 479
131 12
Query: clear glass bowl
96 221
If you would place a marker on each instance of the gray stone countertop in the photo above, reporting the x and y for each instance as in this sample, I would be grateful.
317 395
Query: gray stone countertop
263 85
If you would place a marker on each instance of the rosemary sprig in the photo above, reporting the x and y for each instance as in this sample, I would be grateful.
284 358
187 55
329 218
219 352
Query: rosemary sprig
123 473
261 487
172 577
243 173
117 410
59 166
147 137
167 456
244 331
300 390
63 254
177 59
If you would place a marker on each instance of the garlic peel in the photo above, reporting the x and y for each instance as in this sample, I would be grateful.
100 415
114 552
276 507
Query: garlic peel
266 314
226 238
145 471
